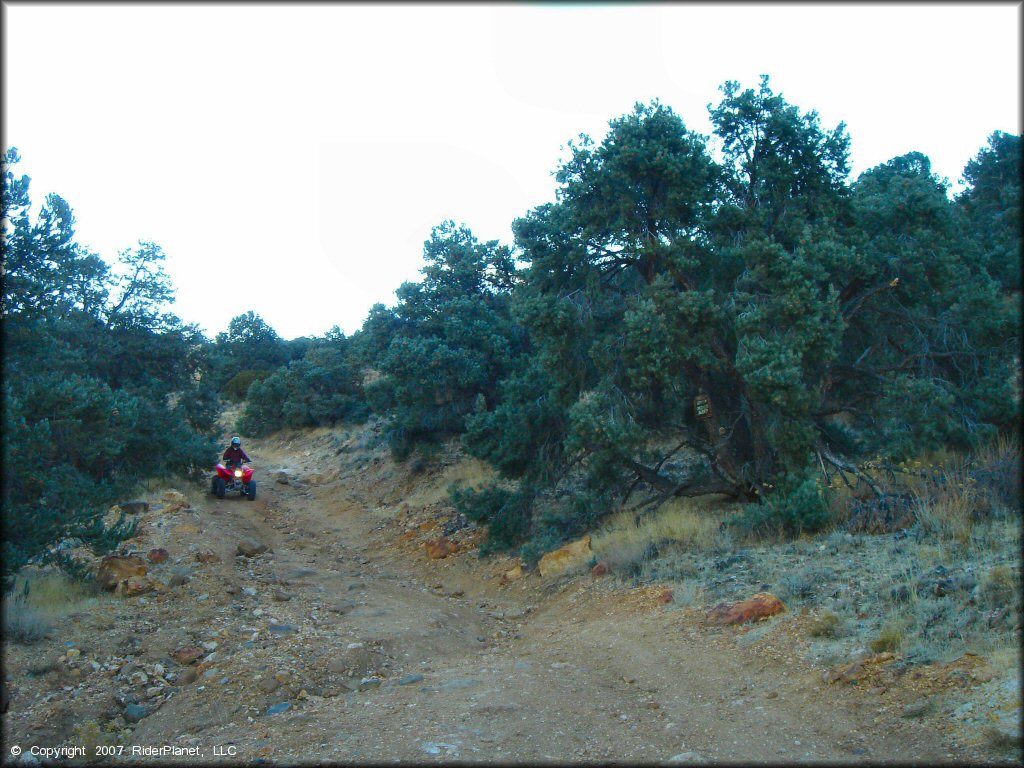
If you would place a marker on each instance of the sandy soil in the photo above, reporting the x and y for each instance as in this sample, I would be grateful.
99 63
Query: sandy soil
573 669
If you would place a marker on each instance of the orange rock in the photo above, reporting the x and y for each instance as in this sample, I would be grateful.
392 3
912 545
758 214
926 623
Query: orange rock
114 569
513 574
760 606
570 557
137 585
441 547
848 673
188 654
173 501
851 673
599 570
158 555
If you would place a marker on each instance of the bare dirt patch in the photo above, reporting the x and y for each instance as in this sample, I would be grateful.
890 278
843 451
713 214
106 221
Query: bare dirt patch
344 641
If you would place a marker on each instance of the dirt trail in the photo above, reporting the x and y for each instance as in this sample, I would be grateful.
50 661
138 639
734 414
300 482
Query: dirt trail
524 672
347 616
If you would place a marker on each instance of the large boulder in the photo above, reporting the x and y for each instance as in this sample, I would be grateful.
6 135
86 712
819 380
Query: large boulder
571 557
760 606
115 569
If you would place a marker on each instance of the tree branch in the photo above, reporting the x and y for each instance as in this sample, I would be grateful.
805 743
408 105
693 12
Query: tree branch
841 464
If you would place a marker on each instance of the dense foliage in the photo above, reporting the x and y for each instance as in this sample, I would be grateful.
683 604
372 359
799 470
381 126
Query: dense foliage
992 203
100 387
815 322
249 350
690 315
449 340
325 385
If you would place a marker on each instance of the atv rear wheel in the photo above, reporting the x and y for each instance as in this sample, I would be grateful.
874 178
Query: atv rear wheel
252 490
218 487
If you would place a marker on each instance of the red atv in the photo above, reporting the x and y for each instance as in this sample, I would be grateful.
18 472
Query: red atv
235 478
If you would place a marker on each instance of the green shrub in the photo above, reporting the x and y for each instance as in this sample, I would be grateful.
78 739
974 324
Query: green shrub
798 505
890 637
320 389
449 340
827 624
238 387
507 514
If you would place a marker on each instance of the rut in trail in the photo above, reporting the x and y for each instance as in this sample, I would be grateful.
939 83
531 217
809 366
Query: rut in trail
344 641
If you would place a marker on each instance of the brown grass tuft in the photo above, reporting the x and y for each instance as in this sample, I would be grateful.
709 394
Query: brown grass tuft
890 637
622 542
467 473
827 624
37 601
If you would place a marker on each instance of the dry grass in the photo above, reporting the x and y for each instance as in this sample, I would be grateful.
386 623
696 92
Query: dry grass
466 473
827 624
946 504
995 452
891 636
687 524
1000 586
52 591
23 623
29 616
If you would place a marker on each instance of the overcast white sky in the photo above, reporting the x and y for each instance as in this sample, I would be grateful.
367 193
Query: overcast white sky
316 145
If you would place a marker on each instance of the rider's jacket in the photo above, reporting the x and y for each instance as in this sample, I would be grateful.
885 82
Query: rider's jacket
235 455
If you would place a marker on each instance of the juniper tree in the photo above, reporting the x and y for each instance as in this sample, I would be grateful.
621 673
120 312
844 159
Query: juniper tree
992 203
813 323
448 341
99 384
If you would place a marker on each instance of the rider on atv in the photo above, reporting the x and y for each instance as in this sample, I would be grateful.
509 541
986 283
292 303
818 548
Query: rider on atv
233 475
234 454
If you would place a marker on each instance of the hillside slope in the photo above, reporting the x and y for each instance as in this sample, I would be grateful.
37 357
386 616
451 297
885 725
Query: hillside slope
344 641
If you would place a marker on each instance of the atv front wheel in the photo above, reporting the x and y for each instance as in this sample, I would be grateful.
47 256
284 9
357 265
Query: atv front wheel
252 490
218 487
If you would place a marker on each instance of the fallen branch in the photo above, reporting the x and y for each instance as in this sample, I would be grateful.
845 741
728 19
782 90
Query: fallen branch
842 464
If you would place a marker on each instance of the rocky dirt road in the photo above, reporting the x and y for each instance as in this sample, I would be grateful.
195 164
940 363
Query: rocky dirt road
343 641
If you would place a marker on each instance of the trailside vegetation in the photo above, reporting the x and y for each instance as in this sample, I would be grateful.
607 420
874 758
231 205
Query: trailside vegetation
442 350
101 386
319 389
727 314
748 323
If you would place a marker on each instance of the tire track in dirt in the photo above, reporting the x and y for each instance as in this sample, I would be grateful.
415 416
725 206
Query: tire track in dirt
373 653
584 677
